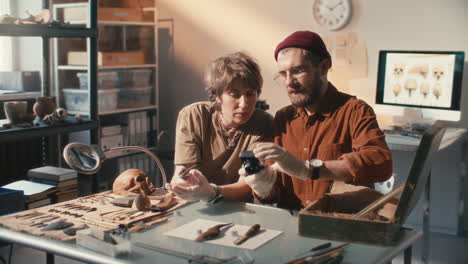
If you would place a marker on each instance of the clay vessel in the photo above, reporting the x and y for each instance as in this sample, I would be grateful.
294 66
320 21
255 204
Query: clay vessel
15 110
44 106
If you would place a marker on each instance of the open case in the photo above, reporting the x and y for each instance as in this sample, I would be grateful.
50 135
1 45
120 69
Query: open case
329 218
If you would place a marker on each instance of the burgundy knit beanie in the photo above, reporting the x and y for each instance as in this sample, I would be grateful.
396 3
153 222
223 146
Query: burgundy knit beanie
307 40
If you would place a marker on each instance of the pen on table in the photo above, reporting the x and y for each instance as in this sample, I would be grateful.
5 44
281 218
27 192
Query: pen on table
316 248
184 173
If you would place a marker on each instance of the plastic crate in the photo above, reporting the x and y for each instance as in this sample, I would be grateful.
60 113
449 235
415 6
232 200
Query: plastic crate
77 99
105 80
134 97
134 78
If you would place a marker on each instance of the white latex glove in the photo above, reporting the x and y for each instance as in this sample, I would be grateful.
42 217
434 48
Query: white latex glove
285 161
261 182
195 187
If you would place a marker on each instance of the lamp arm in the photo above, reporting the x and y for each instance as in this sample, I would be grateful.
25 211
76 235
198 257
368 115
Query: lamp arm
145 150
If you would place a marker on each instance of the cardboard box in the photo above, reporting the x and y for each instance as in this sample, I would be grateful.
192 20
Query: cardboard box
126 3
120 14
80 13
319 219
75 13
108 58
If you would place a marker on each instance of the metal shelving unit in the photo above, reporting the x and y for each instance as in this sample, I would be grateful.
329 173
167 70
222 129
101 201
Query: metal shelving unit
47 32
122 115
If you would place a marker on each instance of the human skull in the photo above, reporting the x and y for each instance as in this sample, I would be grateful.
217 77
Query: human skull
398 70
61 113
132 180
438 72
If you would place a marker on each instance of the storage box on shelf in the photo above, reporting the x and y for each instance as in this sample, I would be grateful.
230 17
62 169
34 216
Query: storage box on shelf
26 81
106 79
79 13
131 78
123 58
134 97
77 100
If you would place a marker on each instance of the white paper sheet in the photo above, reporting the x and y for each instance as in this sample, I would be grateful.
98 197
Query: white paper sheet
229 235
28 187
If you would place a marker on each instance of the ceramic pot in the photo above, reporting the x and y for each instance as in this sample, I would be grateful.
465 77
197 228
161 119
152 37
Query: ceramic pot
44 106
15 110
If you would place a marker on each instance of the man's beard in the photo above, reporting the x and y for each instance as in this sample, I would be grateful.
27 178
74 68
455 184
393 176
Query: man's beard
306 96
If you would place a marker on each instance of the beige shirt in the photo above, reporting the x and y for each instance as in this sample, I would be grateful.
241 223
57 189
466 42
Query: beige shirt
199 140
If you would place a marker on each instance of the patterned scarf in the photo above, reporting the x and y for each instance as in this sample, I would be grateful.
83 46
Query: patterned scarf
231 134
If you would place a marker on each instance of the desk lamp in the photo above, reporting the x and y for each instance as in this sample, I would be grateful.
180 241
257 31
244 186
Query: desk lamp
87 159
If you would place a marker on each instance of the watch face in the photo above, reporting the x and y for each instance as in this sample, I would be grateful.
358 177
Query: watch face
332 14
316 163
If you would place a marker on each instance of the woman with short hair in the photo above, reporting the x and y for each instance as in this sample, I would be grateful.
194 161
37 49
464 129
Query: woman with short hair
210 135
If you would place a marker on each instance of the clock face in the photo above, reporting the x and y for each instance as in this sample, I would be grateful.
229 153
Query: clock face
332 14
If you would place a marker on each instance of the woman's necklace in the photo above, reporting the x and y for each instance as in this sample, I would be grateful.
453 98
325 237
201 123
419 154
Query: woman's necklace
232 134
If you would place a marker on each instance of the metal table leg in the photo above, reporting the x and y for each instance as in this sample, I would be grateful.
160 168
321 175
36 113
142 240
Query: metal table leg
426 220
50 258
407 255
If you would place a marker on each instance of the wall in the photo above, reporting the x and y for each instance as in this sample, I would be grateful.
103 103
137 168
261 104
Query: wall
203 30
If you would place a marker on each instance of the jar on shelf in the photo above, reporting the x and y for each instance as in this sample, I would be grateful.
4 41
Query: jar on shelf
44 106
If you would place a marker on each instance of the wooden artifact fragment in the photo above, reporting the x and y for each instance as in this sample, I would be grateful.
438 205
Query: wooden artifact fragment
141 202
165 204
379 202
253 230
212 232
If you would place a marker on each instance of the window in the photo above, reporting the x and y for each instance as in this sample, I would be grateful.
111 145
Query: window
6 63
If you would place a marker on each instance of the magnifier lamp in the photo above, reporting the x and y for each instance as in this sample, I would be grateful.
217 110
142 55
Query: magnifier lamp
87 159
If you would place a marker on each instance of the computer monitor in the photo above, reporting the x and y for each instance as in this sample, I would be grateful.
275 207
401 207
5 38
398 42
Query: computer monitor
421 79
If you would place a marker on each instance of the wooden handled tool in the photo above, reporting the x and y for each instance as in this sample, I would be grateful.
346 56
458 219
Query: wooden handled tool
184 173
253 230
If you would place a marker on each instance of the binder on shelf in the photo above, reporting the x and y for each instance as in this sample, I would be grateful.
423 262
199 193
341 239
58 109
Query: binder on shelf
138 122
52 173
131 129
111 130
145 128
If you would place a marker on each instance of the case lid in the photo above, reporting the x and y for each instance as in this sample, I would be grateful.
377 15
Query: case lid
416 182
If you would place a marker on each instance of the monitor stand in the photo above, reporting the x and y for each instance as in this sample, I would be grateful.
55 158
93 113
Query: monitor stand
412 120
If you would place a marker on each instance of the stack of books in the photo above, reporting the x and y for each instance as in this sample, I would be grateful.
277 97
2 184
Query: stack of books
64 180
36 194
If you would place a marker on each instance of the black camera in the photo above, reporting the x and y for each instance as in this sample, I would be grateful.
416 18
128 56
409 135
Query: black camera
251 163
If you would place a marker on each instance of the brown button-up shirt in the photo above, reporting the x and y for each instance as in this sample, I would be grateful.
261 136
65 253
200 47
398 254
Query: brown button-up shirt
343 128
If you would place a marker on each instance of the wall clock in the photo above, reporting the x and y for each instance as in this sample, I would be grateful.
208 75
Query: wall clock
332 14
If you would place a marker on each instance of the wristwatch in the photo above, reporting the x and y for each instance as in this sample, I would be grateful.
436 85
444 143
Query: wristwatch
315 164
218 194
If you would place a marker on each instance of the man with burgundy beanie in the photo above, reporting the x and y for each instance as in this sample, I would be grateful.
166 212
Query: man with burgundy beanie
324 136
